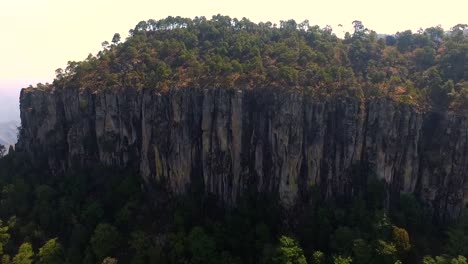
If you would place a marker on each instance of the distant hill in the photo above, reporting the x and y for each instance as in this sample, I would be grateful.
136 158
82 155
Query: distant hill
9 101
8 133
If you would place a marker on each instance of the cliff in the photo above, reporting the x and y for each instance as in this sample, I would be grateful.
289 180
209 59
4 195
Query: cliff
277 142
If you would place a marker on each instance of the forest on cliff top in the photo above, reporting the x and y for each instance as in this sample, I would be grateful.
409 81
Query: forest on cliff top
102 215
426 68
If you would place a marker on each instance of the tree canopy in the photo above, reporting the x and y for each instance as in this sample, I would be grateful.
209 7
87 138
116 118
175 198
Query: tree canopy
426 68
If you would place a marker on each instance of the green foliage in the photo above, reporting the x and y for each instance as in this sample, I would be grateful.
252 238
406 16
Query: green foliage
141 244
51 253
343 240
181 52
116 38
444 260
386 252
289 251
92 213
342 260
101 213
105 240
459 260
202 247
4 236
362 251
318 257
25 254
457 240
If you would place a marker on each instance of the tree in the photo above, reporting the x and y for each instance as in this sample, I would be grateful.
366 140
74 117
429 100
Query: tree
424 57
342 260
444 260
458 32
401 239
404 40
177 247
44 204
92 213
109 260
386 252
77 241
390 40
362 251
457 241
202 247
343 240
289 251
318 257
359 29
435 33
105 44
459 260
51 252
116 38
141 244
105 240
4 236
25 254
6 259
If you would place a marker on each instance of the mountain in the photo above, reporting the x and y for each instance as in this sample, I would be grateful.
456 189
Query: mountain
232 105
227 141
8 133
9 102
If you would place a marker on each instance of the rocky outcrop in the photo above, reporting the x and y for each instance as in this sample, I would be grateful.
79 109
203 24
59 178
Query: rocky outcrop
272 141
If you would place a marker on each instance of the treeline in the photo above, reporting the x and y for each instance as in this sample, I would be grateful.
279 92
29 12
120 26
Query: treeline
426 68
100 215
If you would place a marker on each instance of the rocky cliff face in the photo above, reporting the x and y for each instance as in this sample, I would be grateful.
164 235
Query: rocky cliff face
229 141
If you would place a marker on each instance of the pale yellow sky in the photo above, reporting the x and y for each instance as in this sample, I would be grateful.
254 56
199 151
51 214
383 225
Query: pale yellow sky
39 36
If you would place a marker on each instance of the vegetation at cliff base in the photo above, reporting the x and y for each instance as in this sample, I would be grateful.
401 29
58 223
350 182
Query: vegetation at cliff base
102 215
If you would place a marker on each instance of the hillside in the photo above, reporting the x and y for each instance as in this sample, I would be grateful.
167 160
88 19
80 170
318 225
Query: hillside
9 102
226 141
425 69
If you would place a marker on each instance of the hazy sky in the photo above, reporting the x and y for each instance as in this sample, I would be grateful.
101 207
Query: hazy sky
39 36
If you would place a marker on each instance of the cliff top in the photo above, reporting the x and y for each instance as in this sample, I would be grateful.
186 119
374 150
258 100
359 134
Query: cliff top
424 69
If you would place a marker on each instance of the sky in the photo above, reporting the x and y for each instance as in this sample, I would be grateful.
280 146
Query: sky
39 36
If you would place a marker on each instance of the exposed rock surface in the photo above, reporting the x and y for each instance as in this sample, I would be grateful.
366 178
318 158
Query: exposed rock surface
231 140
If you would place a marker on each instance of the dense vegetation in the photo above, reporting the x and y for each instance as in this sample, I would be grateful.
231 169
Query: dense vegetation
101 215
426 68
